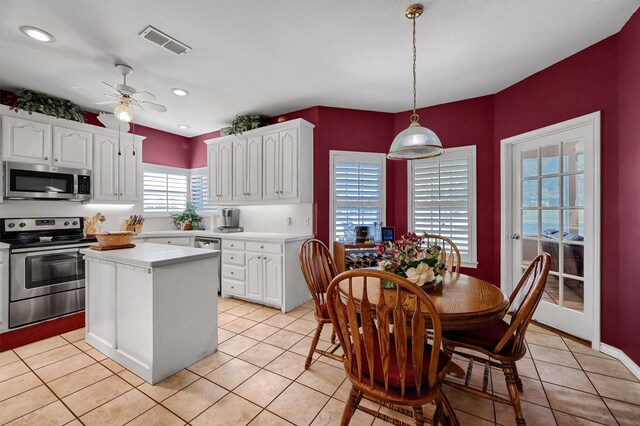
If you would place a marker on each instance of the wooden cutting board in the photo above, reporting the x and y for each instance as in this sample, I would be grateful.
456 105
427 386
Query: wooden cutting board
103 248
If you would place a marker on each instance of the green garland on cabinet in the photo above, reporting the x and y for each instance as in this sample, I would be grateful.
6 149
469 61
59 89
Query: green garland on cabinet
30 101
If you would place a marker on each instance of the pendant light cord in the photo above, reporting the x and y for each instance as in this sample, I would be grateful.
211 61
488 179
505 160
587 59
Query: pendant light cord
414 116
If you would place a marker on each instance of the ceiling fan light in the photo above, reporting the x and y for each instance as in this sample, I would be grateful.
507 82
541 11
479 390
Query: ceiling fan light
124 112
415 142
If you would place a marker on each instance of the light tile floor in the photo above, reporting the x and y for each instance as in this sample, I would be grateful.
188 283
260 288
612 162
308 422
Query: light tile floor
258 378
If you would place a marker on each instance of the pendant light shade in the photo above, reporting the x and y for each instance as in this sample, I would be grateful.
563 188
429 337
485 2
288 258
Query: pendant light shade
415 142
124 111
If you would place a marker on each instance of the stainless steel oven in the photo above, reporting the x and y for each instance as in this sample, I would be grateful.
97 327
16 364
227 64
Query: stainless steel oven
37 181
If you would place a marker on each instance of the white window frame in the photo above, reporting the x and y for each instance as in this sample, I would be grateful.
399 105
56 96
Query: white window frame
169 169
355 156
470 152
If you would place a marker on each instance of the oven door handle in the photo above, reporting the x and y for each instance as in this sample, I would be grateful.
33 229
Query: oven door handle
66 249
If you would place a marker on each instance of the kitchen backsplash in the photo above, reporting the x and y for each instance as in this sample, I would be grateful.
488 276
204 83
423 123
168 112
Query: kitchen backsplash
259 218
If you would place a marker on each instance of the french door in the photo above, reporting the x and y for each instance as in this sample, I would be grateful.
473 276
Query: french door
551 204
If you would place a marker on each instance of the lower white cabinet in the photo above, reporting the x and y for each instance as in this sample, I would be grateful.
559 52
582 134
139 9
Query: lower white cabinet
4 289
176 241
265 272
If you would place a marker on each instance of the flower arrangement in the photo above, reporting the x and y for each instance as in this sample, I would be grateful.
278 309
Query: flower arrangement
408 258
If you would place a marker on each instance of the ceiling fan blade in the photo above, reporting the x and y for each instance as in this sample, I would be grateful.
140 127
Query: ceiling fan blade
143 96
110 87
155 107
111 102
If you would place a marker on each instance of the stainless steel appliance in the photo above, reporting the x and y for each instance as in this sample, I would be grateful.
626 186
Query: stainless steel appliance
230 221
210 243
46 270
37 181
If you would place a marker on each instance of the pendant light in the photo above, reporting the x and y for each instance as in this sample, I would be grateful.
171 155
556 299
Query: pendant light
124 110
416 141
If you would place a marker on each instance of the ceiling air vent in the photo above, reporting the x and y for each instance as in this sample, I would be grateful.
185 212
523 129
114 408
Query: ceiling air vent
161 39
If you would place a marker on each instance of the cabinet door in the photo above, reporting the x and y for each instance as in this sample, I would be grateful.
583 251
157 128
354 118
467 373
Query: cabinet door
213 163
272 280
288 164
129 171
254 277
226 171
239 170
105 168
271 164
253 182
4 289
71 148
25 141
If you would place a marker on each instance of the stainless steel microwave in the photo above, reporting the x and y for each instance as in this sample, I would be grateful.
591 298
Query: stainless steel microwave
43 182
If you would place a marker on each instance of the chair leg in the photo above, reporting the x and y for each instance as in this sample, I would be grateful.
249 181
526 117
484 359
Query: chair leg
333 336
418 416
314 343
512 388
517 377
350 406
444 411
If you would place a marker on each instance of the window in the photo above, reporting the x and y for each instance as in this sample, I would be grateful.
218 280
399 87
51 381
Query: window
199 189
165 189
442 199
357 190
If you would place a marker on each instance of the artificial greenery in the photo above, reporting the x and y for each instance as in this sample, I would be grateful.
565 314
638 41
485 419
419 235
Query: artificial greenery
242 123
188 216
30 101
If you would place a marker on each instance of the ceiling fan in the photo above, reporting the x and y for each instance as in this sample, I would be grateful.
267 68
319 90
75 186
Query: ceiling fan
126 97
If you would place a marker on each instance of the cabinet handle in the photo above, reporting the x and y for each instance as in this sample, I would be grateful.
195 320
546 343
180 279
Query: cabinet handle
116 194
231 245
55 159
259 258
231 273
231 258
261 247
232 287
46 158
121 194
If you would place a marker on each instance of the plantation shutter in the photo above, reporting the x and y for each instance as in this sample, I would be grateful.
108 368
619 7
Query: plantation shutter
442 191
199 190
358 190
165 191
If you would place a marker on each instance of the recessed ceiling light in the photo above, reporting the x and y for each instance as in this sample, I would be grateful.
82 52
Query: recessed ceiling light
184 126
179 92
37 33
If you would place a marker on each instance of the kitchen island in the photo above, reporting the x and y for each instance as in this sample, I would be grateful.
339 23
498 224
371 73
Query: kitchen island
152 308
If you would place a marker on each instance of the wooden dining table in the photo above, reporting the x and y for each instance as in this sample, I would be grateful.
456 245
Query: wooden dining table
463 302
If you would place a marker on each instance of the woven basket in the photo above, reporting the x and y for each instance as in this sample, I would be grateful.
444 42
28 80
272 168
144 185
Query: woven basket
121 238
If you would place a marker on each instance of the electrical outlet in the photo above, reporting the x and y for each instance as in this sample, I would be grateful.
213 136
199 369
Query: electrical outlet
306 221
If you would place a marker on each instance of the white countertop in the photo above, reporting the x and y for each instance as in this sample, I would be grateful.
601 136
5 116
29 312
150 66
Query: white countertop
228 235
149 255
4 246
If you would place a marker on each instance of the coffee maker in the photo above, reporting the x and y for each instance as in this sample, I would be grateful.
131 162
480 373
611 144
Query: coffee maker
230 221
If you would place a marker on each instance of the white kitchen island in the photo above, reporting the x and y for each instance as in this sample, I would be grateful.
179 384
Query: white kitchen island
152 308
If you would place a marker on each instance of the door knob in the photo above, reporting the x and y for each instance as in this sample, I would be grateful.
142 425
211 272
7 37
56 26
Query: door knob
515 236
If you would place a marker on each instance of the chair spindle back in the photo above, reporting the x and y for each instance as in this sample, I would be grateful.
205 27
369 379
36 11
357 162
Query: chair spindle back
449 250
318 269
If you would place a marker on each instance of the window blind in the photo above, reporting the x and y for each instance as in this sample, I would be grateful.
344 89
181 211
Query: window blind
165 191
358 190
199 191
443 198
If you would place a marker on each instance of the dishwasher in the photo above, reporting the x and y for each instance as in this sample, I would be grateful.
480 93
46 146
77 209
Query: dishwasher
211 243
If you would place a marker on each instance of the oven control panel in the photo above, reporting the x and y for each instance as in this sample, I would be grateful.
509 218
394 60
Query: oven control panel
41 224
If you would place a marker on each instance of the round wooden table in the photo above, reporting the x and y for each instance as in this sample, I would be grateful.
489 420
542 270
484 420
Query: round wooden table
463 301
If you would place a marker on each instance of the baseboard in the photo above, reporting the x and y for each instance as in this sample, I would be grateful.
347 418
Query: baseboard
622 357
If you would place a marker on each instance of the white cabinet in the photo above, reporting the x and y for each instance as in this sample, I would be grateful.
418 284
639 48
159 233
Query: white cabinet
281 165
25 141
31 141
117 168
254 277
176 241
72 148
273 164
233 269
247 169
272 279
219 159
263 281
4 289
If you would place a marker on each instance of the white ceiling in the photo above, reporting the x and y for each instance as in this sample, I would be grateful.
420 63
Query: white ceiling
271 57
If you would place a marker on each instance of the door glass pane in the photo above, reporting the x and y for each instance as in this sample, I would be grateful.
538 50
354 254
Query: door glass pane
552 248
530 223
529 251
573 262
551 192
550 160
573 190
573 294
530 163
551 223
573 156
530 193
573 224
552 290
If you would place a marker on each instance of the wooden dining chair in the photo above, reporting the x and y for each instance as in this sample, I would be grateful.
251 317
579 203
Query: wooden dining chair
318 269
502 341
392 366
448 248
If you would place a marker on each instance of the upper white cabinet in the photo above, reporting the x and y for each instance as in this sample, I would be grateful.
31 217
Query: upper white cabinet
273 164
247 169
219 160
117 168
32 141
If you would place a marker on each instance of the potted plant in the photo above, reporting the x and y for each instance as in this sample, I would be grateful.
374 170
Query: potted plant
188 219
242 123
